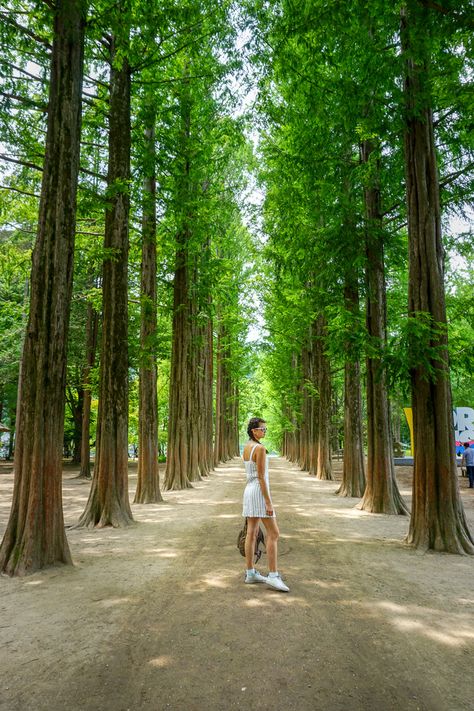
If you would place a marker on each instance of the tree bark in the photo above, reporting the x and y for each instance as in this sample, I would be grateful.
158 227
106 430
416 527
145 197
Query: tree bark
323 468
148 482
77 409
35 535
177 458
381 493
308 428
108 503
184 462
353 475
438 521
226 406
91 348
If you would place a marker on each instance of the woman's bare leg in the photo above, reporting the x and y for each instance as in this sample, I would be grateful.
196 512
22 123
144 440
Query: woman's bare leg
252 528
271 542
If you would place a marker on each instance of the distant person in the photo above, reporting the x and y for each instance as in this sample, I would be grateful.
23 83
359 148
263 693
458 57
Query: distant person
468 462
257 506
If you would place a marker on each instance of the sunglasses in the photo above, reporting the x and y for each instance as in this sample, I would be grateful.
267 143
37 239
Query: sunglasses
264 429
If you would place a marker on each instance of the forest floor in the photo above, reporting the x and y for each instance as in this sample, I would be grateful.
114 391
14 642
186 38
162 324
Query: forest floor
157 617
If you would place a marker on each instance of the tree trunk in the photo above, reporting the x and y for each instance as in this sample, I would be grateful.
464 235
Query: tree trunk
293 438
177 457
353 475
381 493
205 398
226 407
220 453
438 521
307 426
108 503
194 364
11 439
91 347
148 482
187 365
77 409
35 535
323 468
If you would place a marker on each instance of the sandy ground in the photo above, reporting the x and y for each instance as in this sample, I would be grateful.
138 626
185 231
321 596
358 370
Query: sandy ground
157 616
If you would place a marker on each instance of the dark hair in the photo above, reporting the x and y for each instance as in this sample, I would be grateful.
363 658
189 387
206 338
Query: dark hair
254 422
466 444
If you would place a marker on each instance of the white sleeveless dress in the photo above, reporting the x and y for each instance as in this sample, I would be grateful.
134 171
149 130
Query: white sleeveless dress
254 503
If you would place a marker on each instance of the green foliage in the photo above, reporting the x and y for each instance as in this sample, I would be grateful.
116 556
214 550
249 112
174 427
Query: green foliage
320 94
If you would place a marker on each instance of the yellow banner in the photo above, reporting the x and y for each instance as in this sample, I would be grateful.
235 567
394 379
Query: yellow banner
409 415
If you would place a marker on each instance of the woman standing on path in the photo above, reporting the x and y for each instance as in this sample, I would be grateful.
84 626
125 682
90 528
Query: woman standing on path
257 505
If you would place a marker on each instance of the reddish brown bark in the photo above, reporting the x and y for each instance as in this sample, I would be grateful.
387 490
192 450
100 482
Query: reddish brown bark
148 481
353 474
308 425
108 503
177 458
35 535
381 492
438 521
226 434
322 441
91 348
189 451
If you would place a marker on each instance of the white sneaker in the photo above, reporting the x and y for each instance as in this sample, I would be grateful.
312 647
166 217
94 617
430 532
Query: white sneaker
255 577
277 583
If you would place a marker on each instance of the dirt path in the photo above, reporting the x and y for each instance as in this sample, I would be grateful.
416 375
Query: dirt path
157 616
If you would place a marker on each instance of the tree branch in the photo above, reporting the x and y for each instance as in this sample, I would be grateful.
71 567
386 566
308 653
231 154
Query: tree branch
23 71
96 81
431 5
17 190
28 32
19 161
170 81
85 171
24 100
452 176
444 117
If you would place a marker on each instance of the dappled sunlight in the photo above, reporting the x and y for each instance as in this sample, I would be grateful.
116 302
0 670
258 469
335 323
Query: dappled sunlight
346 513
161 552
367 540
325 584
254 602
269 598
212 580
161 662
114 601
226 502
451 629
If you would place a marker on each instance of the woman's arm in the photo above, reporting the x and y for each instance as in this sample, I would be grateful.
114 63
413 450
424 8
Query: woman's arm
260 460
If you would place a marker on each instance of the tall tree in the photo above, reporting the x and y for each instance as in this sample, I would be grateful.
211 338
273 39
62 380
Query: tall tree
108 503
323 458
35 534
438 521
148 482
353 471
381 493
91 348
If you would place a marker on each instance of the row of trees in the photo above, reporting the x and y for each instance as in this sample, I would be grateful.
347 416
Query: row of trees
367 147
119 122
125 160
